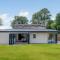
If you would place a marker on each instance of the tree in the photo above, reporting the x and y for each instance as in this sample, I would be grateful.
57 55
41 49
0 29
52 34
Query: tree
19 20
58 27
45 14
49 24
57 21
42 15
53 25
0 21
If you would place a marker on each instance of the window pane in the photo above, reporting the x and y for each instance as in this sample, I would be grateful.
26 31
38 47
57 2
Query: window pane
34 35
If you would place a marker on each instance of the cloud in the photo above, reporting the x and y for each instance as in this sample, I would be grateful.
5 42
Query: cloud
6 21
5 27
24 13
3 16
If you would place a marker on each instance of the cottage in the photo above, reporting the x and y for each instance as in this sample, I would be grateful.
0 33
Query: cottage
27 33
58 37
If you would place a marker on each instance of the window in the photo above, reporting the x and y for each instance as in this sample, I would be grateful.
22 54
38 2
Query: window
50 36
34 35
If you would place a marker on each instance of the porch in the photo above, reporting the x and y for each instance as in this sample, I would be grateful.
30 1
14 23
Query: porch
19 38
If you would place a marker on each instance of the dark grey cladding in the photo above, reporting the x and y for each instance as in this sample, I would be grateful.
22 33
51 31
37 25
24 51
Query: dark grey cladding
28 26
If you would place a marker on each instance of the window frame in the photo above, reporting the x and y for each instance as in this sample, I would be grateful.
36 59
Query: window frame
34 35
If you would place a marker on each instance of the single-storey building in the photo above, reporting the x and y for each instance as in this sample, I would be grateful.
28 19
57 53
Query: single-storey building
58 37
27 33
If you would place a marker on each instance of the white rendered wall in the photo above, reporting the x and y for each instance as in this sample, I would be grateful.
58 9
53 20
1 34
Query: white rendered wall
40 38
4 38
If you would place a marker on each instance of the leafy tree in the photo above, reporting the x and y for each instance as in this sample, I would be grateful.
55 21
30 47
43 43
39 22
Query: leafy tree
45 14
49 24
53 25
58 27
41 16
57 21
19 20
0 21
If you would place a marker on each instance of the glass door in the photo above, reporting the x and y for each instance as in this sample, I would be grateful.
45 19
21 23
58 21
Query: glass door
12 38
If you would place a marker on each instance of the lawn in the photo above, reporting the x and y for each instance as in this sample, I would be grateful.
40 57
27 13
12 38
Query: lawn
30 52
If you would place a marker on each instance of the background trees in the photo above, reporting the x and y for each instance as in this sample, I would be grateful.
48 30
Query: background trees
56 23
49 24
41 16
19 20
0 21
58 19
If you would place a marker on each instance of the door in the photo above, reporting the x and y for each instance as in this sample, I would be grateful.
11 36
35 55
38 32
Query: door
12 38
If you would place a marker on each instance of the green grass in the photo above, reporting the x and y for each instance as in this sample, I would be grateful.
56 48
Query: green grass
30 52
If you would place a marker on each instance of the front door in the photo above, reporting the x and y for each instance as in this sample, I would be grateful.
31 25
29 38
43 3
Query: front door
12 38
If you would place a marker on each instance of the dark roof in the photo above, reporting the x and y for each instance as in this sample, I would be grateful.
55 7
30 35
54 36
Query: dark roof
28 26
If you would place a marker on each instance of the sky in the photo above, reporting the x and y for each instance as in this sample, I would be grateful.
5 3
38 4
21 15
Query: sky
11 8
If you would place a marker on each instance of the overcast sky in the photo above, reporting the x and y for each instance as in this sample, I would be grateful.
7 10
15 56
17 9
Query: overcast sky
10 8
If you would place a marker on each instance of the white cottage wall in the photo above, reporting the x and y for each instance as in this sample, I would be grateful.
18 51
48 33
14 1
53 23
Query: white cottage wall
4 37
41 37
